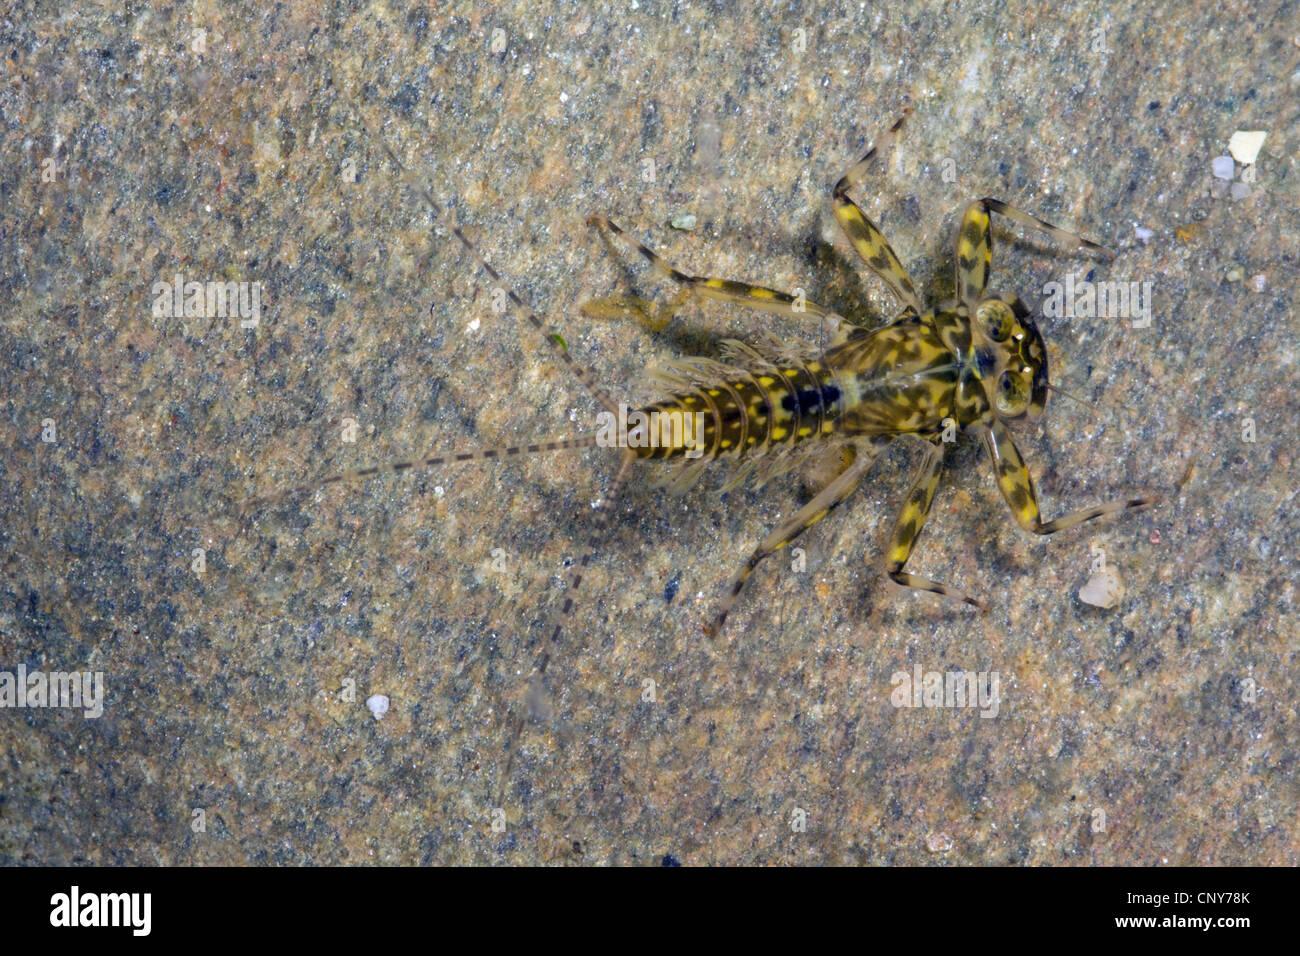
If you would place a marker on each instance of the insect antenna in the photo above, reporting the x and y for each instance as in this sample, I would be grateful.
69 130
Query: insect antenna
605 514
605 509
1074 398
554 339
430 461
1098 408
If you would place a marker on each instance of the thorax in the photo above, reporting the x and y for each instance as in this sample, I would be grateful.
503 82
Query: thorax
910 376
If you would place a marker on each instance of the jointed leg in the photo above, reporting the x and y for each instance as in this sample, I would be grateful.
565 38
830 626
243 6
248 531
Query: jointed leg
911 520
974 252
721 290
1018 488
822 504
866 239
975 243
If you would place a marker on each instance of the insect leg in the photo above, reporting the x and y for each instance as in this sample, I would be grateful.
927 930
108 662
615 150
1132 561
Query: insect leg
1033 222
721 290
821 505
974 252
975 243
863 234
911 520
1018 488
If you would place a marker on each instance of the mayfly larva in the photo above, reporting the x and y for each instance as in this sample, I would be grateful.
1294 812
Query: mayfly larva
973 363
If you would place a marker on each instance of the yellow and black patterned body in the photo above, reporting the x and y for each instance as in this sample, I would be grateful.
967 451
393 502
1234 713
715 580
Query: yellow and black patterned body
974 363
917 376
752 411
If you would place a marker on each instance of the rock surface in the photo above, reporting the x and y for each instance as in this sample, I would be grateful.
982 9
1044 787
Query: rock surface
240 644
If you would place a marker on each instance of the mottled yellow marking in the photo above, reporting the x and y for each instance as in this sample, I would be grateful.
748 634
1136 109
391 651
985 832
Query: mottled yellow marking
713 392
726 443
779 433
766 381
805 432
828 427
790 372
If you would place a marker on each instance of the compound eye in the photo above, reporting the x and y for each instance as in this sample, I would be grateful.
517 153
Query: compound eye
996 319
1013 393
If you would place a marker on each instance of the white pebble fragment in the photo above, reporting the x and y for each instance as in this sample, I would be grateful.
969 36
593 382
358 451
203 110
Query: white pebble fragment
1245 145
938 843
1222 167
684 222
473 326
1143 233
377 705
1104 588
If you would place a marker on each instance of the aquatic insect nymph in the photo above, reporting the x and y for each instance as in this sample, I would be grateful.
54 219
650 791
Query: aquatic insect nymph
977 361
972 363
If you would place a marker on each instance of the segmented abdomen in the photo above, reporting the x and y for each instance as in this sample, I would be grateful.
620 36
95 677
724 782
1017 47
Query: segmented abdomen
752 411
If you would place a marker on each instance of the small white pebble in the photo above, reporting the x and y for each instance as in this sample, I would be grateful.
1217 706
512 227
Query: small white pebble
1143 233
1235 274
1239 190
683 221
1223 167
938 843
564 97
1104 589
1259 282
377 705
439 490
474 325
1245 143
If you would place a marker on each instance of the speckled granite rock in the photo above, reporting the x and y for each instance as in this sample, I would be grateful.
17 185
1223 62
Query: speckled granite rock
1163 730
